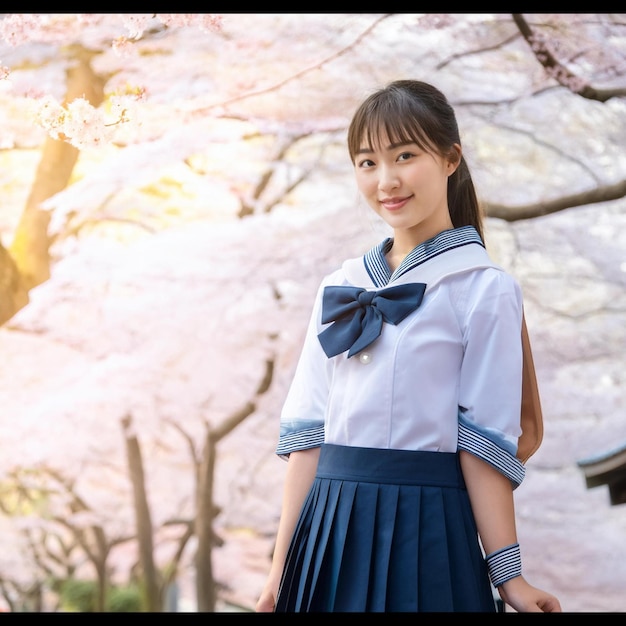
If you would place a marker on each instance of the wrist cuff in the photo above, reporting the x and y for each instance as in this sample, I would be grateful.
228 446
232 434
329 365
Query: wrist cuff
504 564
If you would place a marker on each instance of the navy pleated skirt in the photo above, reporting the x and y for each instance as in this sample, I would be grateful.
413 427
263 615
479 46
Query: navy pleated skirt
385 530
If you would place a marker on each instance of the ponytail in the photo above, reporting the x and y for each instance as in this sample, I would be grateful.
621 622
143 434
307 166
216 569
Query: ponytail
462 200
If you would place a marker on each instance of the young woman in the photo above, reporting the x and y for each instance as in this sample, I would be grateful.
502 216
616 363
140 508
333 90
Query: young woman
402 422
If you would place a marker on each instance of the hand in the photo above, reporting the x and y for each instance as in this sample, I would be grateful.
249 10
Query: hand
267 600
525 598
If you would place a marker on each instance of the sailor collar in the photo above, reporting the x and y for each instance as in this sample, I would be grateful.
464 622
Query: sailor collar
376 264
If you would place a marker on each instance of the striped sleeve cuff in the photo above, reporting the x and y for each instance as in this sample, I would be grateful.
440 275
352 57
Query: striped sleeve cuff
482 447
504 564
300 440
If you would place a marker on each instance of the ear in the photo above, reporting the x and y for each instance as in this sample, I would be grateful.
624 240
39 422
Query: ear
454 158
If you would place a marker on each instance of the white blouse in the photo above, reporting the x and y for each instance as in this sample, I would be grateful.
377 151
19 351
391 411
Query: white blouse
447 377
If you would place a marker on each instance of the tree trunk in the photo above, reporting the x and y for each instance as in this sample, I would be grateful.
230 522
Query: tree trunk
31 243
103 585
205 512
142 517
13 292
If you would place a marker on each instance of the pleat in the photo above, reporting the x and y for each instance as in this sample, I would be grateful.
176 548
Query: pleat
354 550
435 591
404 558
365 546
294 573
318 529
467 567
386 516
333 537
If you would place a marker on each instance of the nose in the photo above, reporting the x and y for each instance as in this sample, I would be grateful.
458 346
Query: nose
387 179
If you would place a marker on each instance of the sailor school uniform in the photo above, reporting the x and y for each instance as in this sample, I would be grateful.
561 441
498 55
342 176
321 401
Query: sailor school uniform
387 524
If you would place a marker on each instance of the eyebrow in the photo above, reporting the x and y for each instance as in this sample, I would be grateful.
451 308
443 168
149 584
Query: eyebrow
391 146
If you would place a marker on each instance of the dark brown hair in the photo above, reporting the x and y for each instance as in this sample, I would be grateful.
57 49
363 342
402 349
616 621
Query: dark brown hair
412 111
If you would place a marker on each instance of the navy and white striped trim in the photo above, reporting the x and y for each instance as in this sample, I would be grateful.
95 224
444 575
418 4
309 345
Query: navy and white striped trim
376 264
378 269
504 564
300 440
503 461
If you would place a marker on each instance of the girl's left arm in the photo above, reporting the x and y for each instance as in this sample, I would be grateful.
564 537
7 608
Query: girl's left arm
491 497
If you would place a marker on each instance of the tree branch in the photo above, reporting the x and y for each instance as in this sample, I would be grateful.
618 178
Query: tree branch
592 196
239 416
301 73
557 70
467 53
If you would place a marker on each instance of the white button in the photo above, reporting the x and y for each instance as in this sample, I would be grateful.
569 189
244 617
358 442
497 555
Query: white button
365 358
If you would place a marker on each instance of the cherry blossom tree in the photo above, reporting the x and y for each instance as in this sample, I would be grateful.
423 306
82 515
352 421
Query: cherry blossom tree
241 120
570 50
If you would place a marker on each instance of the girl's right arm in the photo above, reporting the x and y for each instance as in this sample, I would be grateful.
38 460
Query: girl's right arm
301 468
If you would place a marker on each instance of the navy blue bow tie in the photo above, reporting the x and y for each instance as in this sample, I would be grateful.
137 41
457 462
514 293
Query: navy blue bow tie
358 314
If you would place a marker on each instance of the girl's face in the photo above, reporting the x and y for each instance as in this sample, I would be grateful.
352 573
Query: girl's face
407 186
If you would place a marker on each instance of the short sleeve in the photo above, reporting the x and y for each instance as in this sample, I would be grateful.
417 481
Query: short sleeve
490 388
303 412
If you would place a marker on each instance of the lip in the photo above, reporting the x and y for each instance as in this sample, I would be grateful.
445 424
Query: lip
395 203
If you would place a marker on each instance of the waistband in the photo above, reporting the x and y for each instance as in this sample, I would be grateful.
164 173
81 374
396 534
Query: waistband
383 465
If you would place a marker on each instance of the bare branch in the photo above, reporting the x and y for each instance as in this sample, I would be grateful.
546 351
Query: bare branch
301 73
468 53
239 416
188 438
248 208
557 70
266 381
593 196
566 155
233 421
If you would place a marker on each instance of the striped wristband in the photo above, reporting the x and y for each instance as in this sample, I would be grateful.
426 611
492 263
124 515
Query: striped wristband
504 564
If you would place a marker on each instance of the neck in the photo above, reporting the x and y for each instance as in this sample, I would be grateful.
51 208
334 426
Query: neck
405 240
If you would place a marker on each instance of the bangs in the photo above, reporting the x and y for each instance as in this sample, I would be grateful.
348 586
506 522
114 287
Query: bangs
396 121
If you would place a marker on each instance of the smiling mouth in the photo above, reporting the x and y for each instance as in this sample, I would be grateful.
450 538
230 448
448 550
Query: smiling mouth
393 204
